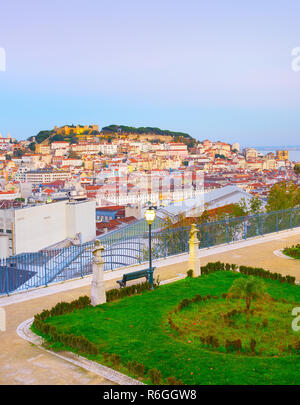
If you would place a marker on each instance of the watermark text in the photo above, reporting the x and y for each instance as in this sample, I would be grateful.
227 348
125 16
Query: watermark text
296 59
2 60
296 321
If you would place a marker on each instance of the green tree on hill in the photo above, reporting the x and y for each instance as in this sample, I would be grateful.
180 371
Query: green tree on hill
31 146
57 137
145 130
42 135
19 152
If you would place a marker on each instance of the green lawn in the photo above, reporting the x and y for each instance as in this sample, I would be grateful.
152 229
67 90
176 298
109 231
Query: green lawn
137 328
211 323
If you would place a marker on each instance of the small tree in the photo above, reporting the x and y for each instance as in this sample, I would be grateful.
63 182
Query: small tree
297 171
283 195
256 205
248 288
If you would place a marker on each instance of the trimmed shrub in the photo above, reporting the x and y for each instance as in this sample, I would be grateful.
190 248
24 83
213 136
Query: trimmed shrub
172 324
210 341
174 381
252 345
136 368
155 376
247 270
115 359
119 293
79 343
190 273
265 323
233 345
63 308
184 303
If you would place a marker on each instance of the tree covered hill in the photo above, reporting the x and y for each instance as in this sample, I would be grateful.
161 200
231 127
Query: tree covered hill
112 131
143 130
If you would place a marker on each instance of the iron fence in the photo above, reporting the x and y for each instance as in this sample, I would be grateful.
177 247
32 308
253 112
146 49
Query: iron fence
129 246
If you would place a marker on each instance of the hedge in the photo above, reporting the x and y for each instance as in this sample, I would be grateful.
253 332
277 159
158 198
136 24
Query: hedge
247 270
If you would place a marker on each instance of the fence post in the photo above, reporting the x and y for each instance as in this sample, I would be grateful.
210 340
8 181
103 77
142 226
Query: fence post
140 259
291 219
227 231
7 287
6 275
276 222
207 239
45 275
98 295
81 259
245 229
194 259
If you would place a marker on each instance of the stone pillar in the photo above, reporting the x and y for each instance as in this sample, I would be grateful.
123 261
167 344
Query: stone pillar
98 295
194 258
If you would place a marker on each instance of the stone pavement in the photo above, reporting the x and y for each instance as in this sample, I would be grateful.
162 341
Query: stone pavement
23 363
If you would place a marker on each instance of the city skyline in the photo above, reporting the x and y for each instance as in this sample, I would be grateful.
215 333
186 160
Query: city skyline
214 71
149 195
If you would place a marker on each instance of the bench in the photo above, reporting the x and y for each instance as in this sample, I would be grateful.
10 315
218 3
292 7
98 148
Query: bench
133 276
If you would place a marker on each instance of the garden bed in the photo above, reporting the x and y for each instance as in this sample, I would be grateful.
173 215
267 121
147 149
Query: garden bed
134 335
293 251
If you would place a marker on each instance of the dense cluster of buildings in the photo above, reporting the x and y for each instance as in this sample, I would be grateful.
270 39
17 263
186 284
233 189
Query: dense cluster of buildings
122 174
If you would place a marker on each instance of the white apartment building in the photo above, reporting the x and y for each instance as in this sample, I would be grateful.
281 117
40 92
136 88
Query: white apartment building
71 162
250 153
108 148
60 145
86 147
21 174
32 228
5 143
45 176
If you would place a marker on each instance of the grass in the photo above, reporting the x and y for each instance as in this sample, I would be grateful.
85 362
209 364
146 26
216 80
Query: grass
137 328
268 323
293 251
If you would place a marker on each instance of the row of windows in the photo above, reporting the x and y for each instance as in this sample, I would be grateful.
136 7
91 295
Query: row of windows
104 217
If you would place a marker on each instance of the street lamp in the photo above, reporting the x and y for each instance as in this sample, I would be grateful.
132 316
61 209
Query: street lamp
150 217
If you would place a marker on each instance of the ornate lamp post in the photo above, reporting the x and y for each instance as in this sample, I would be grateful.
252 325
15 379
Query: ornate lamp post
150 217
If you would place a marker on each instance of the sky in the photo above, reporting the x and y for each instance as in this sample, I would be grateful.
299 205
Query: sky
219 70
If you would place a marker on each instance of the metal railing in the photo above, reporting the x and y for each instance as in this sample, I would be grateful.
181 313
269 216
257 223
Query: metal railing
129 246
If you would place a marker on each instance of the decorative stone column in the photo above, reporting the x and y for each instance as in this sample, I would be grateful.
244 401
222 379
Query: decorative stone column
194 258
98 295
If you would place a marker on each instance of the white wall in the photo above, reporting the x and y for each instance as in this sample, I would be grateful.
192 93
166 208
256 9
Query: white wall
4 246
81 217
37 227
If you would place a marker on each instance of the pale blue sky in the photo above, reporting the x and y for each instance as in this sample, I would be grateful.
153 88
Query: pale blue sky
218 69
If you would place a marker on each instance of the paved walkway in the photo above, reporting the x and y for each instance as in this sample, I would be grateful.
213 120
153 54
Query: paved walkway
23 363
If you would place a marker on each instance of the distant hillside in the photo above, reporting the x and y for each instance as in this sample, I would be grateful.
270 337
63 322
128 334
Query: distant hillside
143 130
267 148
70 133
